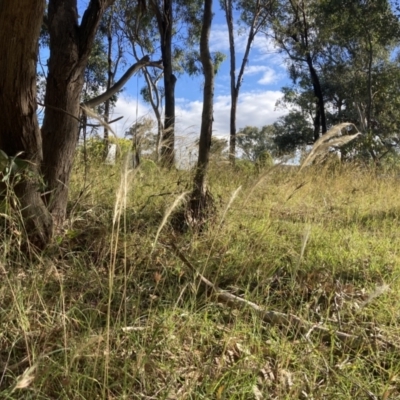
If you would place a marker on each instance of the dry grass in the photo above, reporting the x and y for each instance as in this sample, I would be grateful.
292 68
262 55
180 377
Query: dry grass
111 311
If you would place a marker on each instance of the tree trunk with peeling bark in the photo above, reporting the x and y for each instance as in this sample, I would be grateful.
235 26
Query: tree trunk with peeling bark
70 46
20 22
50 152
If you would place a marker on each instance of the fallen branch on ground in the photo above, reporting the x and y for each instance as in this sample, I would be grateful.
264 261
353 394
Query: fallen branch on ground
276 318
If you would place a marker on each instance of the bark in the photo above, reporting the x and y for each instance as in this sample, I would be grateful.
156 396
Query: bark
234 91
199 192
232 136
320 120
165 26
20 21
70 46
110 79
375 158
154 99
136 149
369 73
317 123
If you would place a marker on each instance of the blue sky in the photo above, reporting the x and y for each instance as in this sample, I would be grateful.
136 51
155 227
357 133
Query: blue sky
264 76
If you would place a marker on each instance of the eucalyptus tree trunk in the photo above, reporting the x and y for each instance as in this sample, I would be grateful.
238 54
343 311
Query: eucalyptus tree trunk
227 4
20 22
165 26
199 198
320 118
70 46
299 28
236 83
110 78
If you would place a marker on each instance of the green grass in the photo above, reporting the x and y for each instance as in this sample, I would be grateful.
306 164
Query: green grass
109 313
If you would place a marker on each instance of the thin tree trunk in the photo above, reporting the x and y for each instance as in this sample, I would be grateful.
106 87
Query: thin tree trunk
110 78
199 190
320 99
155 105
369 73
70 46
136 147
317 123
232 136
299 10
375 158
234 92
235 84
168 140
155 102
20 22
168 137
165 26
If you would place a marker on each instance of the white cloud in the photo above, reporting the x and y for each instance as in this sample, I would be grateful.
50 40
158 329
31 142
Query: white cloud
219 40
255 69
131 110
256 108
264 43
269 76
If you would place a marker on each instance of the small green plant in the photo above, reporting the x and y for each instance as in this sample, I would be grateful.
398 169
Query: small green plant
10 166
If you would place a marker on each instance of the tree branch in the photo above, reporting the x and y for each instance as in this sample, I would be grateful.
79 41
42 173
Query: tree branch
145 61
254 28
289 321
90 21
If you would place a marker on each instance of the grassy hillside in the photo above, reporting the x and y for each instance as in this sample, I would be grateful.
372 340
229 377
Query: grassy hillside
116 308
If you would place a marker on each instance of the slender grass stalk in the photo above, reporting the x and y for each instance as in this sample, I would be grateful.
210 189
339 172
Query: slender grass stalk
119 210
217 231
304 241
167 214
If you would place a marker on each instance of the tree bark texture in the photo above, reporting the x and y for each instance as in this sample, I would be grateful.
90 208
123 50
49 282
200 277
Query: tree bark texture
70 46
165 26
20 22
320 120
110 79
208 97
234 92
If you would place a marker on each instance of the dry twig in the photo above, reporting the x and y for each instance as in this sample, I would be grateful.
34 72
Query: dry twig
288 321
